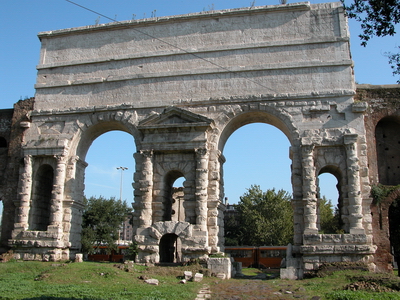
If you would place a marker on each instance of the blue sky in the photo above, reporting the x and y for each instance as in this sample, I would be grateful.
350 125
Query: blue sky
251 156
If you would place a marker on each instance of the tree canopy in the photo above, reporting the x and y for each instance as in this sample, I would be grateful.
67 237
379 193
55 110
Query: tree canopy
262 219
377 18
102 219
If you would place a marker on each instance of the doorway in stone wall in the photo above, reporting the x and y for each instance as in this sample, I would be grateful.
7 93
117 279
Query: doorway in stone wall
169 248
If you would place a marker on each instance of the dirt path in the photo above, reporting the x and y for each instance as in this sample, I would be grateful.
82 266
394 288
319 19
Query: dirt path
256 289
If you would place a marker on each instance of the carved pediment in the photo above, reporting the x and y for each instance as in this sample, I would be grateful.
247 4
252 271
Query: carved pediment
173 117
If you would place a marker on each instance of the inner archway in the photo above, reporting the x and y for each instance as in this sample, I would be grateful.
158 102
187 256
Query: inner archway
169 248
173 197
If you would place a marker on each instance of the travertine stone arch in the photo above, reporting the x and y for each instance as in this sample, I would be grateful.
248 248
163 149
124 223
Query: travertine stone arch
260 114
180 89
97 123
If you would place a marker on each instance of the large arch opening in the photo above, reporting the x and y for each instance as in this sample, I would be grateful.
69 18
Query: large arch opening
110 166
109 173
256 153
39 213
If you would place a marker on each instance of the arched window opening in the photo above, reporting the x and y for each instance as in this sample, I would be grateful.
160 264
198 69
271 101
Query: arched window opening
178 200
330 202
387 136
170 248
173 198
39 213
3 142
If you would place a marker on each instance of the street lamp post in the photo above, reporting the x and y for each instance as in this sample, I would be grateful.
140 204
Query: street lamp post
120 186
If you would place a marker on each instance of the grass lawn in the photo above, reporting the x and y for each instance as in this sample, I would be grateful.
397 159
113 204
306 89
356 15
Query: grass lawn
90 280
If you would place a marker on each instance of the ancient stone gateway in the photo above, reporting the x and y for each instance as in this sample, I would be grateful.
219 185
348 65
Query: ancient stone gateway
181 86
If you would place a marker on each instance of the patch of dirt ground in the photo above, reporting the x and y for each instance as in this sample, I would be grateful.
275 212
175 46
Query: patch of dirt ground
253 288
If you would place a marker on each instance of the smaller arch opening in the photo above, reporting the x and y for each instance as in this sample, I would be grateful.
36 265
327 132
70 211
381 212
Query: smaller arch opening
39 213
169 248
330 203
3 142
173 198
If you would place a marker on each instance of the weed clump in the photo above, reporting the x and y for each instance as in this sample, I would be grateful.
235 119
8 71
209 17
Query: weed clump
380 282
328 269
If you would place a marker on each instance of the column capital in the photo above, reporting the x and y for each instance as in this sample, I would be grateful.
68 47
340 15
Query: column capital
146 153
350 138
61 159
200 151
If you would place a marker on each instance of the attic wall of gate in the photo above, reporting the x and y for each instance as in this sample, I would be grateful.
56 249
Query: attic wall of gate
181 86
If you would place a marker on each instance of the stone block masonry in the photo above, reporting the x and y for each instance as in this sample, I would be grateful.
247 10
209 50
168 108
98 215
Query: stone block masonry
181 86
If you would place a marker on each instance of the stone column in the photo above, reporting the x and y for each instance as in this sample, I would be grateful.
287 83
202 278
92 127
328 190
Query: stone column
215 206
297 201
57 195
24 195
354 189
145 186
201 187
309 190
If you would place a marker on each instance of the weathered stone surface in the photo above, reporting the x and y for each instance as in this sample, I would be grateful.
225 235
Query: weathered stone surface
188 275
222 266
79 257
181 109
198 277
152 281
